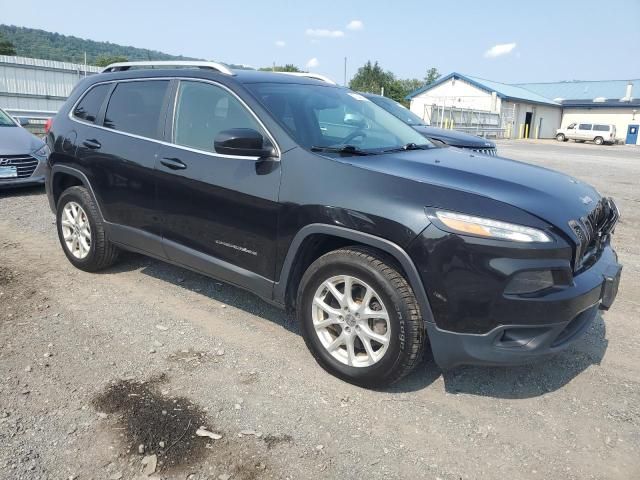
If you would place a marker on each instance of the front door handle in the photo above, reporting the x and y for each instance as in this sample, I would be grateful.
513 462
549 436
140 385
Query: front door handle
173 163
92 143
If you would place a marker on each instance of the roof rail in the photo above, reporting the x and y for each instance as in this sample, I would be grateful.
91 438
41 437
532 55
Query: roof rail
120 66
315 76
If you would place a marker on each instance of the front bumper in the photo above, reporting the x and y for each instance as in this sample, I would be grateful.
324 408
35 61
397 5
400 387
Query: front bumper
36 178
475 322
22 182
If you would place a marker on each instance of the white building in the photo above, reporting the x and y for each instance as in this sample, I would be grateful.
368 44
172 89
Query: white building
35 89
532 110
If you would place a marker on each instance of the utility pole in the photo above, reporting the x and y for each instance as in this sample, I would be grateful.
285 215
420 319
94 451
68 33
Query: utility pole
345 72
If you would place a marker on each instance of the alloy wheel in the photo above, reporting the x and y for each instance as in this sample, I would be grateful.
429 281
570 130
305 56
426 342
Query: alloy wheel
351 321
76 230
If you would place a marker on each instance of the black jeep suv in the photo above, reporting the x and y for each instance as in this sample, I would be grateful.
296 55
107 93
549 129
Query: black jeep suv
323 203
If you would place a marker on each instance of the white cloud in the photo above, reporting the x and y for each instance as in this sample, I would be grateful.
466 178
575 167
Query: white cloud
281 43
323 32
355 25
499 50
313 63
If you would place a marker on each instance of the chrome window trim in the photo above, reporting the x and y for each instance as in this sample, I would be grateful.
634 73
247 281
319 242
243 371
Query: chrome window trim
170 144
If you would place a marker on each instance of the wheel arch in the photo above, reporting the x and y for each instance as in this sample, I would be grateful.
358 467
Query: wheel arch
63 177
314 240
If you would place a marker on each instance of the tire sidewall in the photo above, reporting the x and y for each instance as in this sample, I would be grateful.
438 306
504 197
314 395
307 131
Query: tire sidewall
560 137
398 320
72 195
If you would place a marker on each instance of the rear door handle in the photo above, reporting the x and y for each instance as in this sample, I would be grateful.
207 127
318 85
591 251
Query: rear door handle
173 163
92 143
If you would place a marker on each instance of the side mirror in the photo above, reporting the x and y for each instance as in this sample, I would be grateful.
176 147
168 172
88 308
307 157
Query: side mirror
242 142
355 119
23 121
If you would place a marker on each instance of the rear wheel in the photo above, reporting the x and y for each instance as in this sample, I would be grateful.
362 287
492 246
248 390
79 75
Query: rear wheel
359 317
560 137
81 231
598 140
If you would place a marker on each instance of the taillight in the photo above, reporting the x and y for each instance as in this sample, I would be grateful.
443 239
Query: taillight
47 125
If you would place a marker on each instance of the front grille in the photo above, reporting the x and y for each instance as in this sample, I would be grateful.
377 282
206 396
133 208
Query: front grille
25 164
592 231
485 151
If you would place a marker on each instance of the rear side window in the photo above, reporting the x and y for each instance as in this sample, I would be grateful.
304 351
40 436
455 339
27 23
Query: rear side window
585 126
601 128
134 107
89 107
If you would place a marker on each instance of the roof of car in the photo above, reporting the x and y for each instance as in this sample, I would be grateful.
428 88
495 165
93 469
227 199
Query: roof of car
241 76
261 76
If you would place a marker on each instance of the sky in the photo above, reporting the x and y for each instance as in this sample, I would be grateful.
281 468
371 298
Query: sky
509 42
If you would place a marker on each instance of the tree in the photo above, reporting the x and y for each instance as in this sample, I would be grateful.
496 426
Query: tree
34 43
6 47
432 76
104 60
371 78
289 67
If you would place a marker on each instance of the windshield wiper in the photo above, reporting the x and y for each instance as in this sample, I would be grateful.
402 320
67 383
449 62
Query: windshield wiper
349 149
408 146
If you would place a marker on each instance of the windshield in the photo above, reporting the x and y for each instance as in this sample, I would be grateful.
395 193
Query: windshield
323 117
397 110
6 120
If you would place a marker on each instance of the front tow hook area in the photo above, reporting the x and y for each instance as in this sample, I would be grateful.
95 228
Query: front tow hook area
610 286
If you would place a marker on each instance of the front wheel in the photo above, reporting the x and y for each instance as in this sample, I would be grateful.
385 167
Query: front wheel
560 137
360 318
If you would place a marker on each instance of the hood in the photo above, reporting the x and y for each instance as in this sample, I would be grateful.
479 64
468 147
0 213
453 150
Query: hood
18 141
549 195
454 138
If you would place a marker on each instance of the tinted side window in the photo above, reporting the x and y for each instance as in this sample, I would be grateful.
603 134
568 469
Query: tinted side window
204 110
585 126
87 109
134 107
601 128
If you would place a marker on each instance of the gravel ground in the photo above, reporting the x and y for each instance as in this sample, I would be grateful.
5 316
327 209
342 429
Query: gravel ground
108 376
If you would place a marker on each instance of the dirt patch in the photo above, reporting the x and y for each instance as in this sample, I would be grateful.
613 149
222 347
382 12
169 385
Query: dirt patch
192 358
248 378
276 439
6 277
166 427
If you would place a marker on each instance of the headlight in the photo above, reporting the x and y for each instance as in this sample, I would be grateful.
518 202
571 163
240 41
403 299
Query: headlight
42 152
485 227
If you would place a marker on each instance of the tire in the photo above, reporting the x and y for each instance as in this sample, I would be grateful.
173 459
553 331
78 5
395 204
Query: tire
383 363
598 140
561 138
101 253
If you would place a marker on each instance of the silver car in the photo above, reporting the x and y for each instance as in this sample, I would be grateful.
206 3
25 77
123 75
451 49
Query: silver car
22 154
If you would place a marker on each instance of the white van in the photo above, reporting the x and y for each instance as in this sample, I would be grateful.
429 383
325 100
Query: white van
593 132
